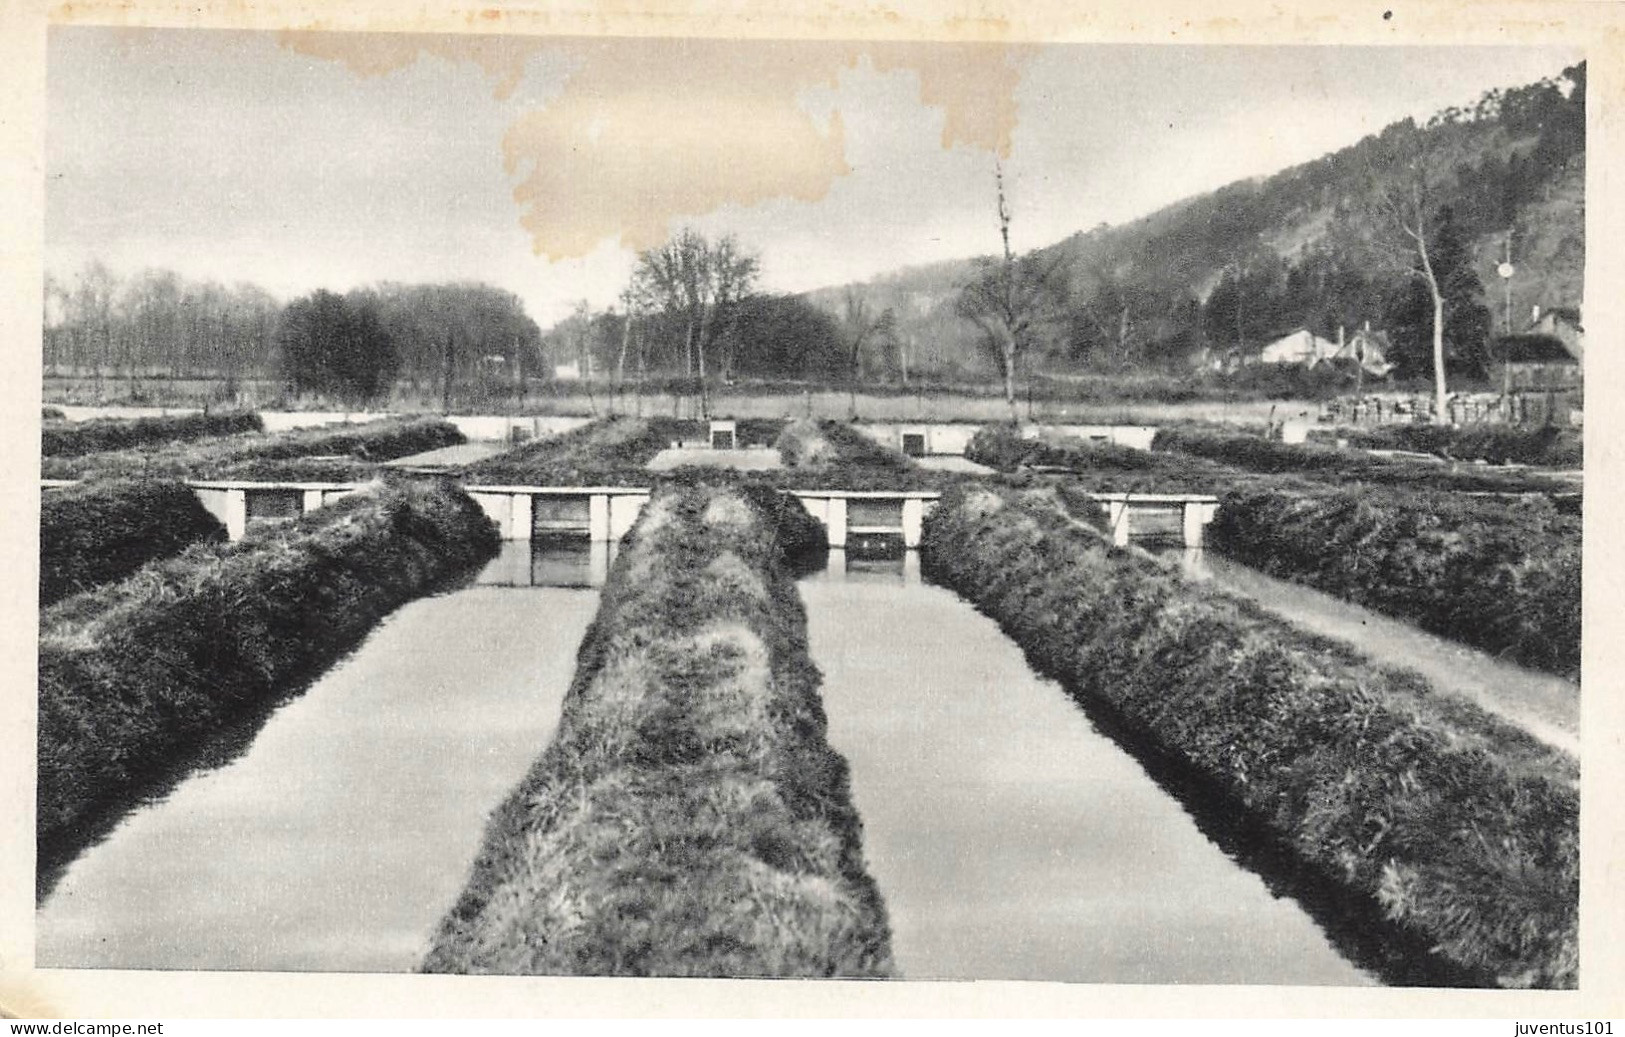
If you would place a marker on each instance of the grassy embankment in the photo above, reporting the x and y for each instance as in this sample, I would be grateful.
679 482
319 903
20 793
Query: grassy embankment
137 677
616 451
1104 467
606 452
328 453
1501 576
104 530
689 817
1547 447
1458 830
1328 464
832 455
104 434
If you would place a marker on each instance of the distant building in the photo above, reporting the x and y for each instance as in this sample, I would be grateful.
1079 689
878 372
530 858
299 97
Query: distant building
1563 324
1301 347
1534 361
1540 374
570 372
1367 348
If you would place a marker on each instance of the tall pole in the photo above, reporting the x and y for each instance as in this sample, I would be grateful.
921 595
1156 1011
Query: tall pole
1507 280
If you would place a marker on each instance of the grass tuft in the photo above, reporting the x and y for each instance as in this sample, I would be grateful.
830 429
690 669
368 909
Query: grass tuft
100 531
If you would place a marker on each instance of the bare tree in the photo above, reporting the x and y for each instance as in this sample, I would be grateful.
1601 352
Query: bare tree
93 308
1012 301
635 299
704 281
1405 195
733 271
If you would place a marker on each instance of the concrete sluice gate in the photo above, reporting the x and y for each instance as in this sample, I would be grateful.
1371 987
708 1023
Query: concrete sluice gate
604 514
240 505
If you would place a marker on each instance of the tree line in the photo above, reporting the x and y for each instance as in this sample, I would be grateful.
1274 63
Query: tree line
465 340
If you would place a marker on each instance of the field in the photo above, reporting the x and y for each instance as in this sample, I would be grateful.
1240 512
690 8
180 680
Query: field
1547 447
617 451
68 439
1093 400
1268 457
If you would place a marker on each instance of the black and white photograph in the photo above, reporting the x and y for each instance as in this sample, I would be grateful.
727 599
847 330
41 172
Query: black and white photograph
912 508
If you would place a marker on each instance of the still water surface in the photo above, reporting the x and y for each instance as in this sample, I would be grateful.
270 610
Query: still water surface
1010 839
346 830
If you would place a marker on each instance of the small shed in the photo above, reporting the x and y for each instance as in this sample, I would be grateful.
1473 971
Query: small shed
724 434
1534 361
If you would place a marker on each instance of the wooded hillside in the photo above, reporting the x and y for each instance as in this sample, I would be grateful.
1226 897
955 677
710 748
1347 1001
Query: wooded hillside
1224 273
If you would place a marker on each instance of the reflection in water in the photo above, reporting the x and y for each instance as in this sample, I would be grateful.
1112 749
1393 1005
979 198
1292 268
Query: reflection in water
563 560
344 832
857 566
1011 839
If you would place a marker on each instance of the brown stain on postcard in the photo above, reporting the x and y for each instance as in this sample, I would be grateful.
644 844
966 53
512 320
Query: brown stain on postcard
651 131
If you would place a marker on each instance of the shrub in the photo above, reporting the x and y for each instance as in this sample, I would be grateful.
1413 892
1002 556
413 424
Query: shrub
97 532
689 817
103 434
1503 577
137 676
1455 827
802 445
52 414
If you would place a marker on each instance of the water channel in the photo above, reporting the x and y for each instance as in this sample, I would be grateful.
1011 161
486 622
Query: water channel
341 836
1009 837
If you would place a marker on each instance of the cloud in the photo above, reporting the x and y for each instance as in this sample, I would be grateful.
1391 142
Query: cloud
649 132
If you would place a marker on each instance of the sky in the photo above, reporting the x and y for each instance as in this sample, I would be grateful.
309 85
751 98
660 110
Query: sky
541 165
